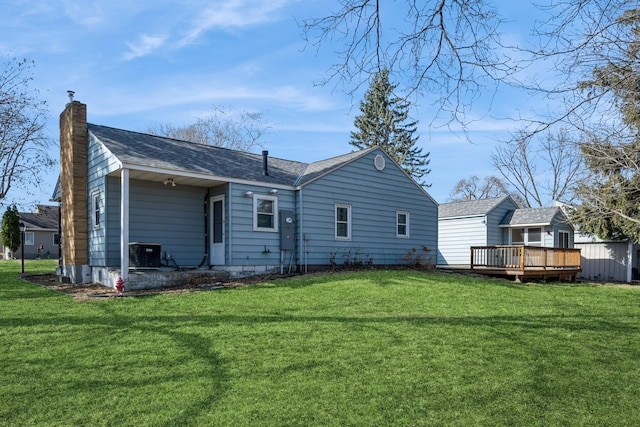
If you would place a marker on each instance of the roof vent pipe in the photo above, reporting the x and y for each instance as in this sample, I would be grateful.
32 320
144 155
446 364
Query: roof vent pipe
265 162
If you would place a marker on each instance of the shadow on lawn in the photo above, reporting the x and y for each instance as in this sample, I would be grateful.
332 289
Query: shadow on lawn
200 348
213 370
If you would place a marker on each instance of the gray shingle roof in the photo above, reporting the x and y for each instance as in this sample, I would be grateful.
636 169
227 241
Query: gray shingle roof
140 149
469 207
45 217
532 216
318 169
133 148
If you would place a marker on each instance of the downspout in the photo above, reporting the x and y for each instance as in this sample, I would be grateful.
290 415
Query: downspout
124 224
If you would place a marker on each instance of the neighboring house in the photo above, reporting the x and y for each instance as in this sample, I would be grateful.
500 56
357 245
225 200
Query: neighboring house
41 234
548 227
497 221
132 200
468 223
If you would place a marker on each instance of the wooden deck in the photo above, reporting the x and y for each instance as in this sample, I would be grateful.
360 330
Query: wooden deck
526 262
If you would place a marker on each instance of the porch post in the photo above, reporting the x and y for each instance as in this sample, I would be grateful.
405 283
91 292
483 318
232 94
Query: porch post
124 224
629 261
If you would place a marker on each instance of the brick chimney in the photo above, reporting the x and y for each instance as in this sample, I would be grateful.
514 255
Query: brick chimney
73 192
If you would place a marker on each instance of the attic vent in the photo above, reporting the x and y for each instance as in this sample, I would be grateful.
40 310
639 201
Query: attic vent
379 162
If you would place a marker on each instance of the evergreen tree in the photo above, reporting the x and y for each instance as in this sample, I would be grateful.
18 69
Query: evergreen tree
384 122
610 205
11 229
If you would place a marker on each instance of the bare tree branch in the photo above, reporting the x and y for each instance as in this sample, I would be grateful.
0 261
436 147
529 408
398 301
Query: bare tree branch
237 130
449 49
24 157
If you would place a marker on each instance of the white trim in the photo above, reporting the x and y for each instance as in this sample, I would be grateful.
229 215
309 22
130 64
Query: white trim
26 241
525 236
96 222
542 224
335 223
212 253
274 199
629 261
406 224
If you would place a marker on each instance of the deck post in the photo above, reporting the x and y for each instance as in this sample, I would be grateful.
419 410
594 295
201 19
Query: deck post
472 260
522 257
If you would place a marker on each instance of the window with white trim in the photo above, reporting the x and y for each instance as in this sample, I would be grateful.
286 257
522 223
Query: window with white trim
526 236
343 222
402 224
534 236
96 204
29 238
265 209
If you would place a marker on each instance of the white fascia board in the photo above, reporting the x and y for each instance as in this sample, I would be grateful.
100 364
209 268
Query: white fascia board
525 225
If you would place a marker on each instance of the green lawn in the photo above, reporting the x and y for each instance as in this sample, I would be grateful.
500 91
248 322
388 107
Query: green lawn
374 348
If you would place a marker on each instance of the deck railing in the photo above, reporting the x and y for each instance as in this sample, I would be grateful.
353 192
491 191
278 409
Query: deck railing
525 258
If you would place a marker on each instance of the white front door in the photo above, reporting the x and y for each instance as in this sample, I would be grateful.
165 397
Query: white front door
217 231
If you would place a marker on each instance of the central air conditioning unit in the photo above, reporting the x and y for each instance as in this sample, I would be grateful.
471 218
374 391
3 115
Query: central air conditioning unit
144 255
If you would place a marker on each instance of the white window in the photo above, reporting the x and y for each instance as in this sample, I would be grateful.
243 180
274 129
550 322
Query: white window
343 222
526 236
264 213
402 224
28 238
517 236
534 236
96 204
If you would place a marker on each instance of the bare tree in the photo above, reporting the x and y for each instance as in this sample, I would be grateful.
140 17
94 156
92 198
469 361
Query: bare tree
446 47
237 130
541 168
24 157
474 188
452 49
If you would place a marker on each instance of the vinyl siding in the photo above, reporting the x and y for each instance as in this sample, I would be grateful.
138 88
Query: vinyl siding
99 164
42 238
605 261
456 236
171 217
375 197
494 218
246 246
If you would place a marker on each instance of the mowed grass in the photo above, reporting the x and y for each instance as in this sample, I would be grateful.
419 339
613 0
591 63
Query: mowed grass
377 348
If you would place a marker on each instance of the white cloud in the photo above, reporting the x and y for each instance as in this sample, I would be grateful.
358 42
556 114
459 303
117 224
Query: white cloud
145 45
231 14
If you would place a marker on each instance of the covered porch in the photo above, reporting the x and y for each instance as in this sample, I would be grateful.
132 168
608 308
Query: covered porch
526 262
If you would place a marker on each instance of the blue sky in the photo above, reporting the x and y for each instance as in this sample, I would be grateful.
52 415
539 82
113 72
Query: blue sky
137 64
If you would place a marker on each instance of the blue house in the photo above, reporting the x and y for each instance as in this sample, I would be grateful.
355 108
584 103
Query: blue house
133 202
